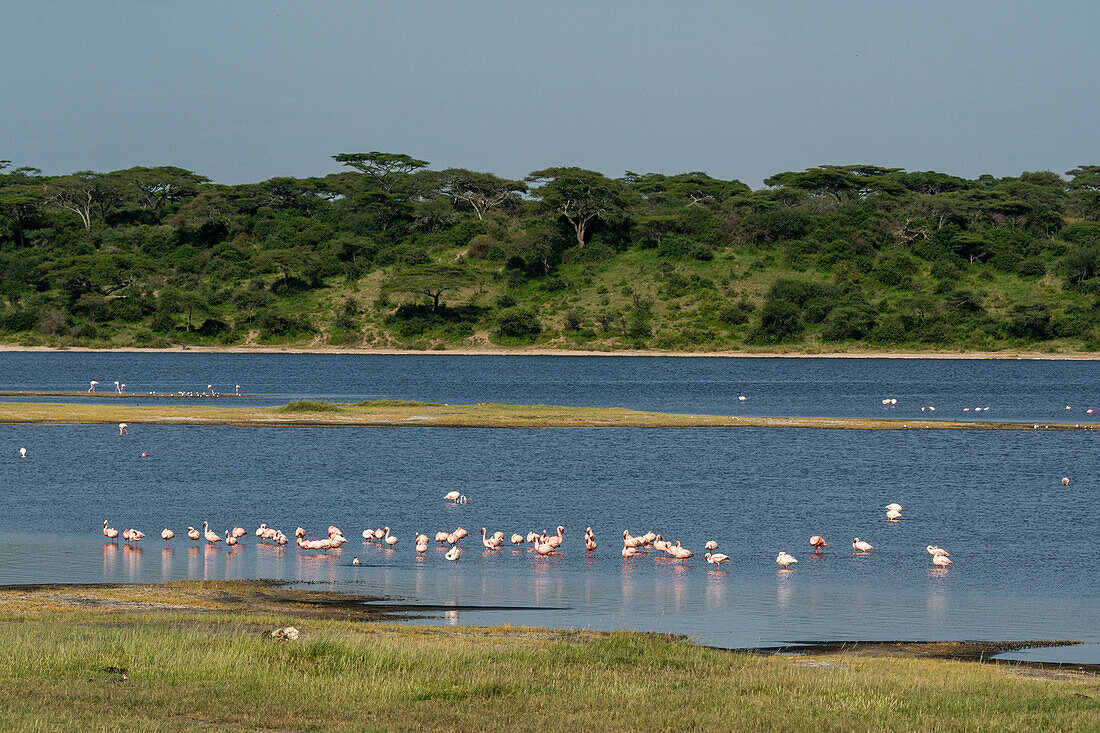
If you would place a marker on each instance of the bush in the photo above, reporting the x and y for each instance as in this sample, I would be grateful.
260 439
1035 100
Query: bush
1030 322
519 323
1082 264
847 322
736 314
574 319
895 272
780 320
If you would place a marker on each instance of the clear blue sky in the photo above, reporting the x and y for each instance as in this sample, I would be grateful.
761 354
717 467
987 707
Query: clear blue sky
243 90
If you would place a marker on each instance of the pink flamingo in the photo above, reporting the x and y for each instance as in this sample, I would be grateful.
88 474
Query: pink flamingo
230 539
716 559
122 429
300 532
629 552
543 547
192 534
239 532
940 561
109 532
486 542
590 543
555 542
861 545
167 534
817 542
937 551
93 384
211 537
517 539
368 535
389 539
710 546
441 538
422 546
785 560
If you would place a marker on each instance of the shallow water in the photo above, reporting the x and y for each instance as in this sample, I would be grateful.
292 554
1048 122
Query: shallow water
1075 654
1024 547
1031 391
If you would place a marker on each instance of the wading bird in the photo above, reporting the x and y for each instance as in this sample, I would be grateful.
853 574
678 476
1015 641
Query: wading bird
109 532
167 534
861 546
940 561
785 560
211 537
122 428
193 534
716 559
817 542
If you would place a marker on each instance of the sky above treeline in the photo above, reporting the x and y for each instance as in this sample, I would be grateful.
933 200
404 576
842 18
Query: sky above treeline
246 90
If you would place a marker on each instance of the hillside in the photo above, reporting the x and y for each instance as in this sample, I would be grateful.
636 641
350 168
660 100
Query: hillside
392 254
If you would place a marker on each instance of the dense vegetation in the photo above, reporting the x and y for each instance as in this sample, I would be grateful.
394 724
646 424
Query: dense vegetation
391 253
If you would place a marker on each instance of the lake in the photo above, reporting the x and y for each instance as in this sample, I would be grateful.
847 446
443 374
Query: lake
1024 546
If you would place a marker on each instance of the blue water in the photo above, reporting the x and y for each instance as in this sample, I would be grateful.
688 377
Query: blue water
1024 546
1018 390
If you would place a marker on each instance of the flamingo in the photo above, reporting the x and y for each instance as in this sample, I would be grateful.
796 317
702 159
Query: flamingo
716 559
239 532
893 506
192 534
1065 481
211 537
133 535
893 515
660 544
93 384
940 561
629 552
555 542
422 546
260 530
453 554
488 543
368 535
711 545
680 553
334 530
167 534
122 428
517 539
299 533
742 398
441 538
785 560
238 390
861 546
461 533
532 536
590 543
280 538
935 550
817 542
454 497
117 389
22 452
109 532
230 539
355 561
543 547
390 539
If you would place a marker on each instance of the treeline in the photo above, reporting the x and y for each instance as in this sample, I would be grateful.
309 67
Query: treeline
390 252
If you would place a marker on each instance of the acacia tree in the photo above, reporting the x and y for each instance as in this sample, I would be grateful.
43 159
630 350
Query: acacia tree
431 279
385 168
85 193
480 191
580 196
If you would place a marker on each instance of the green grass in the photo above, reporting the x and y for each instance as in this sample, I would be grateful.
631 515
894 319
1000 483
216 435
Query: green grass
190 668
309 406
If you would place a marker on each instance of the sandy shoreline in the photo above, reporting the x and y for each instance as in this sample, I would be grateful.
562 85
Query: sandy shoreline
1006 355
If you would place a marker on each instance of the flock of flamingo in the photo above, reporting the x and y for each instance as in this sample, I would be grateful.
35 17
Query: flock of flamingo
541 543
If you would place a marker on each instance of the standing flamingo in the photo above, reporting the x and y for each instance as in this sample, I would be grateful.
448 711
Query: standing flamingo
940 561
817 542
711 545
1065 481
230 540
22 452
211 537
785 560
193 534
861 545
716 559
93 384
122 428
453 554
109 532
628 552
167 534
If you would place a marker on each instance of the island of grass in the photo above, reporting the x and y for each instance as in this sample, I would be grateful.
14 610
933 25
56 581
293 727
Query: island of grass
195 656
398 413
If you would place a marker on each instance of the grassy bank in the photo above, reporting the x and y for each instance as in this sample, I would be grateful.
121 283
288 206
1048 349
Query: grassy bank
396 413
191 655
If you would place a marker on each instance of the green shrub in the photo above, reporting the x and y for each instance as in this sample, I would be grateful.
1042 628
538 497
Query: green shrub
309 406
518 322
780 320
